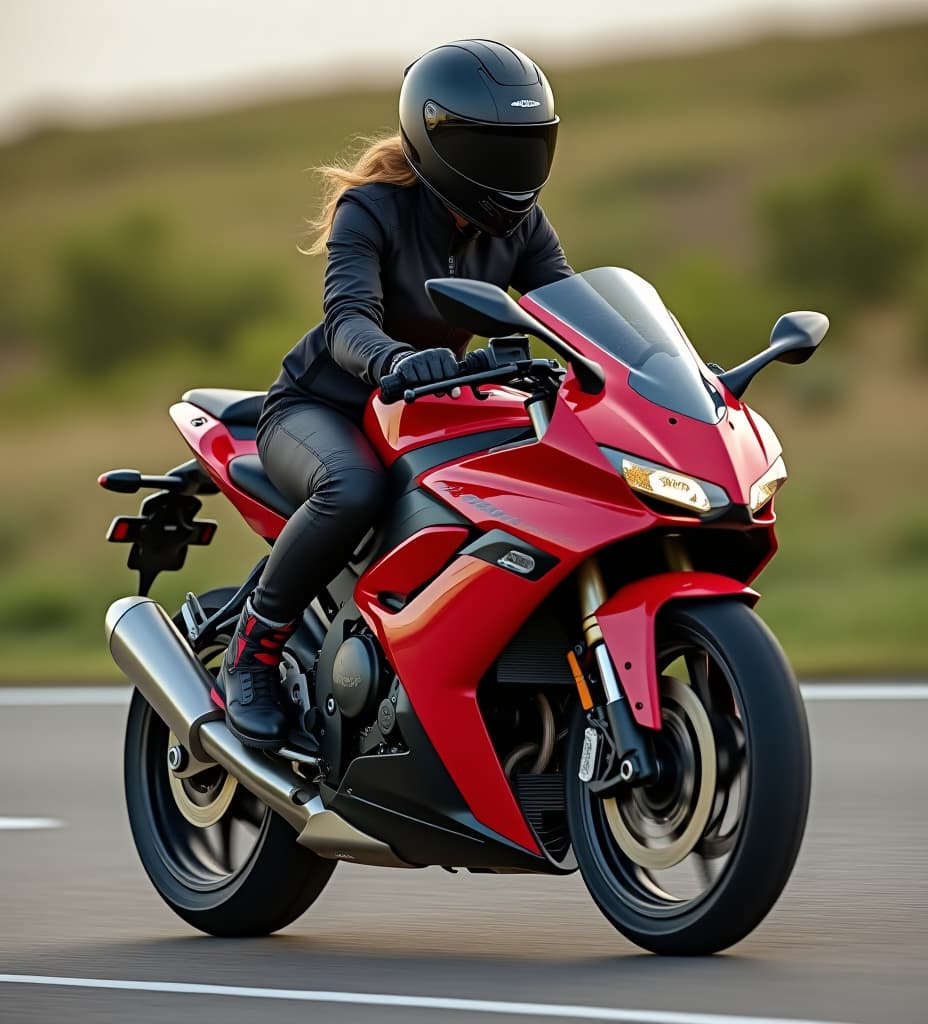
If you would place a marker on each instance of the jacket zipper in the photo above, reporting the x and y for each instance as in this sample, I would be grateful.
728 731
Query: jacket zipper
452 267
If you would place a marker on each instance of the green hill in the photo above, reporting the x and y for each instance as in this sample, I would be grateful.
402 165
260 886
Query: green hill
146 258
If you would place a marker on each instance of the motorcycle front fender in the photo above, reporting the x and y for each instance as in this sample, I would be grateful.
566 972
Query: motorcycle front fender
627 621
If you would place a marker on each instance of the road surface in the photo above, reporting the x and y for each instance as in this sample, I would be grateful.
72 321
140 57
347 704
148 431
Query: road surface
848 941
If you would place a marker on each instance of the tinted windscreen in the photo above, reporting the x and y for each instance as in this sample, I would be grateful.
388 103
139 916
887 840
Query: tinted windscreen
506 158
623 315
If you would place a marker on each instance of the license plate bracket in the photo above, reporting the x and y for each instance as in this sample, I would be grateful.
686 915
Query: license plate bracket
160 534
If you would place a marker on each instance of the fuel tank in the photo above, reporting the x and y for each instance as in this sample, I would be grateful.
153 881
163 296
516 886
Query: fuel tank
396 429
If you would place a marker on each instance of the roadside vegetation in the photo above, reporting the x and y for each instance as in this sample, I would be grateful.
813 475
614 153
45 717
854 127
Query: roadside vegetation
143 259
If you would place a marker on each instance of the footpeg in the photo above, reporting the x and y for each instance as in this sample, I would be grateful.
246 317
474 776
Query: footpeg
300 747
289 754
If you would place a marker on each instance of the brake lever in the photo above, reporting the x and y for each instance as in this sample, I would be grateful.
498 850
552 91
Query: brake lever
470 380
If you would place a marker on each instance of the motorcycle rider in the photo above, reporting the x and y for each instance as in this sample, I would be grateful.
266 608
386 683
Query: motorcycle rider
454 194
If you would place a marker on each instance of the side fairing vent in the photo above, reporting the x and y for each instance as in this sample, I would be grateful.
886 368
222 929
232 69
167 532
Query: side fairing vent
542 800
537 654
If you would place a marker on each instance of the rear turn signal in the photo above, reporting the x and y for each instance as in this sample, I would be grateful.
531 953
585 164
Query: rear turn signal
124 481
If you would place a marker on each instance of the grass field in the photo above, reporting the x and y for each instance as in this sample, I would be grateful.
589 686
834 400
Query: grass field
664 166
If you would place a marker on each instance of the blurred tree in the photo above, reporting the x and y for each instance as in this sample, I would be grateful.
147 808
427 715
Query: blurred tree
11 312
908 541
846 237
135 288
919 327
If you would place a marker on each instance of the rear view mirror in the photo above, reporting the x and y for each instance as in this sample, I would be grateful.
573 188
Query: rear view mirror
485 309
479 307
794 338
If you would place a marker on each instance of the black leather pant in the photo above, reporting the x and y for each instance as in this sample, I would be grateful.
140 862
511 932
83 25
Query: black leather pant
318 457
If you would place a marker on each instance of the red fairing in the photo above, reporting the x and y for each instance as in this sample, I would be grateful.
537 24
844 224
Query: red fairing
214 447
396 429
560 493
441 662
441 644
417 560
627 621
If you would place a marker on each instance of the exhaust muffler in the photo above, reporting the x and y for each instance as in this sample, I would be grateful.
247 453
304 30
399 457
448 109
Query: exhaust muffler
148 647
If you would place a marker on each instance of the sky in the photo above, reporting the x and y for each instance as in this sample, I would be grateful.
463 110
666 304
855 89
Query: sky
103 59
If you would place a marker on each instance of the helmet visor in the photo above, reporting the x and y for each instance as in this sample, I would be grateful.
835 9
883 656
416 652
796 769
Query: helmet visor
512 158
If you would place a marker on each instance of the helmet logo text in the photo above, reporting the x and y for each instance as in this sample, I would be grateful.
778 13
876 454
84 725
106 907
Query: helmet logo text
525 103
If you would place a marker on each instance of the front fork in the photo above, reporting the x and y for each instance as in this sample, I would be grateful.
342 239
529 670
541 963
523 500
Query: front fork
635 757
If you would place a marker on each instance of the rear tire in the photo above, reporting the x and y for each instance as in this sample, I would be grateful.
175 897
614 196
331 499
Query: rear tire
244 874
759 743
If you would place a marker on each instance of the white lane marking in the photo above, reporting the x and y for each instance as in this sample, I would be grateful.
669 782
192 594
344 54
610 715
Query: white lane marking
94 696
864 691
24 824
411 1002
63 696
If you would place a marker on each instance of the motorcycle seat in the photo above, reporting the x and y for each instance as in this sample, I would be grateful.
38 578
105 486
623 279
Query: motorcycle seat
234 408
247 473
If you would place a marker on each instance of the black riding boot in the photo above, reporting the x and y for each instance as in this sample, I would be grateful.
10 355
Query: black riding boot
249 680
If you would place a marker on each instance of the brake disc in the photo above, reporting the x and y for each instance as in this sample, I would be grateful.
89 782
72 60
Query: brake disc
655 837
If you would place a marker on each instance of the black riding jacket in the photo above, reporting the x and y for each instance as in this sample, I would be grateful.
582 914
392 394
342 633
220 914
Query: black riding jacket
386 242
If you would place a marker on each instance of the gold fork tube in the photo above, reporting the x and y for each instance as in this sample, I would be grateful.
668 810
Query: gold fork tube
677 556
592 597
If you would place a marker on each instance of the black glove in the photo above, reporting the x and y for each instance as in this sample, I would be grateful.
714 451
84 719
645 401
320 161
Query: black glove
417 368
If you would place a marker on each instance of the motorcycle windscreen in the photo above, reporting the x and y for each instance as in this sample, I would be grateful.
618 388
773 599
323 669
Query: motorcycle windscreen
623 315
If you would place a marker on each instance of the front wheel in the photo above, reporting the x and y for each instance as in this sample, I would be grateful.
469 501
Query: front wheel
218 856
691 864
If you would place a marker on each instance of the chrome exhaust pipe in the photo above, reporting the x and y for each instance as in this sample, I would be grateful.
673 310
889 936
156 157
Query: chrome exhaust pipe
149 648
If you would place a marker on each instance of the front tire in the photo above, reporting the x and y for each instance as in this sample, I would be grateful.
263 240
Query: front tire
218 856
691 865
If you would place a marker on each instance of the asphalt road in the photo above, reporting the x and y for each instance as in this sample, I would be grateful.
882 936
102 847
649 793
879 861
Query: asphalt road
847 942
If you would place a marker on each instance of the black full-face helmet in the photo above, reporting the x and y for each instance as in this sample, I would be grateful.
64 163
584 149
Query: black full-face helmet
479 129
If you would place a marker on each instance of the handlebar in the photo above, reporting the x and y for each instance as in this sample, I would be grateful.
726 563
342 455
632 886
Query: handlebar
477 367
393 387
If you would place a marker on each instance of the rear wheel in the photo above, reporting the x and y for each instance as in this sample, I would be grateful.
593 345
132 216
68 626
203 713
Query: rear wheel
691 864
218 856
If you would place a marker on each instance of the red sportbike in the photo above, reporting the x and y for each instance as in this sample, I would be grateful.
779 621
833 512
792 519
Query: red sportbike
545 657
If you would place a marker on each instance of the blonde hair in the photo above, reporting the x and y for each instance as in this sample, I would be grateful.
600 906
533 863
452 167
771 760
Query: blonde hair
382 160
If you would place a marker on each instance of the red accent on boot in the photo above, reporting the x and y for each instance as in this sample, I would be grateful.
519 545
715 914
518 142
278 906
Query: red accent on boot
242 644
250 625
216 699
266 659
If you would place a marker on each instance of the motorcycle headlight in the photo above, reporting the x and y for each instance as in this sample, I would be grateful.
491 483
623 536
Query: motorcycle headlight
769 484
667 484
